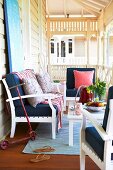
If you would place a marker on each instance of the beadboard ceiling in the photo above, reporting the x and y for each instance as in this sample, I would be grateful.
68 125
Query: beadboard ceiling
75 8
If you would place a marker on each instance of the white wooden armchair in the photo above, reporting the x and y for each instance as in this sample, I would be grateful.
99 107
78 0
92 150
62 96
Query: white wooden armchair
97 141
42 112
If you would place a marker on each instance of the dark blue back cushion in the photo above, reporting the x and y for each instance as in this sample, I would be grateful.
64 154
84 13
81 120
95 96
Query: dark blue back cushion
110 96
70 80
13 80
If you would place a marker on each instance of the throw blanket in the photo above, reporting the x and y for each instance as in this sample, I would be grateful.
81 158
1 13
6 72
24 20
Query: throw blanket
57 101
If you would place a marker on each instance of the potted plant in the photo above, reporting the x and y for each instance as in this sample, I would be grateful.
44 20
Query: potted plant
98 89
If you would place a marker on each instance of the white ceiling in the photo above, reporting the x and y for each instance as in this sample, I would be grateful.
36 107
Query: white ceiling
75 8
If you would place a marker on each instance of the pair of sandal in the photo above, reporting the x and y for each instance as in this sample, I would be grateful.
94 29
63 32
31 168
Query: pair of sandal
40 158
44 149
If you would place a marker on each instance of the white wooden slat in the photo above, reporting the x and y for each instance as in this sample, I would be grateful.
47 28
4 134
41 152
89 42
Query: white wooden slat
2 42
5 129
35 35
4 117
34 3
34 27
20 3
3 57
1 1
34 51
4 70
34 11
1 13
1 91
34 43
34 19
1 28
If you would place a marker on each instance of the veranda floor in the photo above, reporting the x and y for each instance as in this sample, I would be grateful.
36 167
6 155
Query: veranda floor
13 159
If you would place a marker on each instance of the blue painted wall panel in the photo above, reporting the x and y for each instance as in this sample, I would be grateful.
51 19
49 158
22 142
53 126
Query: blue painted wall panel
14 36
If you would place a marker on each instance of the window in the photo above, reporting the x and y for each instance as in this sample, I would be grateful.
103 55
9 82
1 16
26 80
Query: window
63 49
52 46
57 49
70 45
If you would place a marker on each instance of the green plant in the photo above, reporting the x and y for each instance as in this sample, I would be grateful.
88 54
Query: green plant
56 81
99 88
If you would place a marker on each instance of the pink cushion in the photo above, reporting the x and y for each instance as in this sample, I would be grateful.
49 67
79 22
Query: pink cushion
32 87
83 78
28 73
44 81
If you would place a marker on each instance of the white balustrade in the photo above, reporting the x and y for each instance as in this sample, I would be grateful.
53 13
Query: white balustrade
58 72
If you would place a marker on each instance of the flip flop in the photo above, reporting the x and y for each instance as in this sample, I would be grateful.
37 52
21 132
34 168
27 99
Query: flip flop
44 149
40 158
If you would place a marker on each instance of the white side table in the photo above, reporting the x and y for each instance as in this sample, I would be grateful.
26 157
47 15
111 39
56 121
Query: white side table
75 118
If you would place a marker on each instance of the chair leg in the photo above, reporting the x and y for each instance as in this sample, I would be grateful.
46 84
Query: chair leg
53 129
82 160
64 105
13 127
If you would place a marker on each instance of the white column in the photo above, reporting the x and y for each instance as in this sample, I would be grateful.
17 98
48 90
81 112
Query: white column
26 32
88 42
105 49
41 59
98 48
1 63
112 73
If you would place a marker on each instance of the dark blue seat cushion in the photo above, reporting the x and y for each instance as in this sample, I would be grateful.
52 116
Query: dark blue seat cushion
95 141
92 136
40 110
70 80
13 80
110 96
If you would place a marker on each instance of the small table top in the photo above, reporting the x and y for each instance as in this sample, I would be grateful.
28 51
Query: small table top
97 115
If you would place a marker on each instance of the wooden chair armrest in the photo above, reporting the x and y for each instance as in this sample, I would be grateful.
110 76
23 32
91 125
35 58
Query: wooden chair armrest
96 124
45 96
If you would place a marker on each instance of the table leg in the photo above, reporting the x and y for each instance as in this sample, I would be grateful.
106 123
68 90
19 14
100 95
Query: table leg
70 133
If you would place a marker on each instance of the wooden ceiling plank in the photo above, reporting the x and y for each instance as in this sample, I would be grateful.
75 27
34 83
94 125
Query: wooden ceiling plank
102 3
47 9
105 0
95 5
65 12
87 8
82 12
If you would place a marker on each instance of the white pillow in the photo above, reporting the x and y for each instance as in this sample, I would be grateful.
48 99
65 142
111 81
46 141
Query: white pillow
32 87
45 82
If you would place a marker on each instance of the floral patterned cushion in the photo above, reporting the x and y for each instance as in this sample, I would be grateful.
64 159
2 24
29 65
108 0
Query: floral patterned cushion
45 82
32 87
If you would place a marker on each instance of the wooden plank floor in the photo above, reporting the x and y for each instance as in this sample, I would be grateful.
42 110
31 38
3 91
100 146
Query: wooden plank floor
13 159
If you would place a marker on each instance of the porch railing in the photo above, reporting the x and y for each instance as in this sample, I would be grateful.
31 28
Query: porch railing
71 25
58 72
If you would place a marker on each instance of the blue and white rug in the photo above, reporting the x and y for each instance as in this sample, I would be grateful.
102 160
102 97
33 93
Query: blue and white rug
60 144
